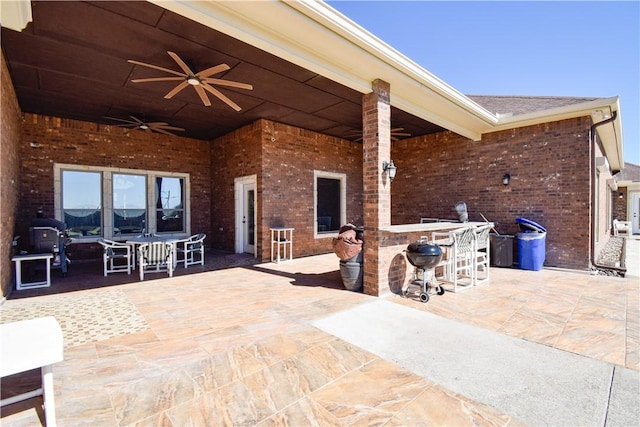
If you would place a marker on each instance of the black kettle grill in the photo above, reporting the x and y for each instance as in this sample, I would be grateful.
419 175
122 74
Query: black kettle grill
425 257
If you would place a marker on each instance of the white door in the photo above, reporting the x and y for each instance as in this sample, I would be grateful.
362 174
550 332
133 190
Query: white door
245 190
635 213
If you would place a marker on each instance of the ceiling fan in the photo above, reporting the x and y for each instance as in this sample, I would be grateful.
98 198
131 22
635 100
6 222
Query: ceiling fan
201 81
396 134
136 123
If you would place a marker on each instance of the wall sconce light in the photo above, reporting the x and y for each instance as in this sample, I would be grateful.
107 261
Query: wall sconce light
390 169
621 195
506 178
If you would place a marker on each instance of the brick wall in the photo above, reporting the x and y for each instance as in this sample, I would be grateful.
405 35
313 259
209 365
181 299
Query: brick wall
234 155
11 122
48 140
549 166
550 182
290 156
619 204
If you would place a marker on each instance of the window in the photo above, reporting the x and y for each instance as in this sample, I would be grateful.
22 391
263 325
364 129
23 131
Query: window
111 202
129 204
169 204
330 202
82 203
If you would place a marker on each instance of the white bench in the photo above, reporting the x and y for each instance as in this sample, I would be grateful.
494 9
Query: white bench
621 227
18 259
27 345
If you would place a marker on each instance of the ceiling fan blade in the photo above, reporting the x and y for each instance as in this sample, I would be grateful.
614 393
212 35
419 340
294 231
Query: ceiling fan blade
203 96
176 89
157 79
400 134
169 128
120 120
136 120
181 63
151 124
213 70
396 129
229 83
161 131
155 67
221 96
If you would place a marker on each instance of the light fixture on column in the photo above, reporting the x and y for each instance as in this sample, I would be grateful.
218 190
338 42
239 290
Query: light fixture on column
621 195
506 178
390 169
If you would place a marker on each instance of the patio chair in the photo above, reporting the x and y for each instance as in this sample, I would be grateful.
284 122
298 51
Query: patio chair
481 258
116 257
458 263
621 227
155 257
191 250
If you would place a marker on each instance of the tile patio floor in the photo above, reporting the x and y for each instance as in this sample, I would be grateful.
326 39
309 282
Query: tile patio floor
236 346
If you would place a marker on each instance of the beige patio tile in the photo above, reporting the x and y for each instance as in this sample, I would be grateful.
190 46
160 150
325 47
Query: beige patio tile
437 406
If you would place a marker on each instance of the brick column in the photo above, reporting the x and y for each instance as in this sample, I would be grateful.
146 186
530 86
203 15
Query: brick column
376 200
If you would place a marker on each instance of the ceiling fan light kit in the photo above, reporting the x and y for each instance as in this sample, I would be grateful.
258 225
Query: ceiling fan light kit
202 81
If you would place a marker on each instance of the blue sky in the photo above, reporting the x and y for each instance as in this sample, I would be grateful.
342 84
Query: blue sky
540 48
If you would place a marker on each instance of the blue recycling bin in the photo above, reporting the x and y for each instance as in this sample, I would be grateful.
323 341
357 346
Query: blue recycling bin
531 244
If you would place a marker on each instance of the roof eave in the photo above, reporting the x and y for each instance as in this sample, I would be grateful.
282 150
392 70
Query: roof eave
610 134
322 40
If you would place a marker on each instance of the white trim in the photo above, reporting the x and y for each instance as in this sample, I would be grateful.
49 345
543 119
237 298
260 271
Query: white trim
238 184
15 14
342 177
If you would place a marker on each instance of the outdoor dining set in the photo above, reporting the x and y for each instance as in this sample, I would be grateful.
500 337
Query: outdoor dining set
152 254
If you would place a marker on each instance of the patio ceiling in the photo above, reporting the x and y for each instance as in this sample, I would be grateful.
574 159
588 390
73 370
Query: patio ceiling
71 62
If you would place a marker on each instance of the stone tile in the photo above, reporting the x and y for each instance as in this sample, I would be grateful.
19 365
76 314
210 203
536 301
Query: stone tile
371 395
437 406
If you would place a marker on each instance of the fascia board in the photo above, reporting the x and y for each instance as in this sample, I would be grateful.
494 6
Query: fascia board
610 134
15 14
313 35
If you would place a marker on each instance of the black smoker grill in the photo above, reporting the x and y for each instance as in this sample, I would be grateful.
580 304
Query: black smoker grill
48 235
424 257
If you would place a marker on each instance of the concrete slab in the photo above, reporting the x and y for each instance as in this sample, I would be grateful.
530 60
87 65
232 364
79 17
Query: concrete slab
632 256
531 382
624 403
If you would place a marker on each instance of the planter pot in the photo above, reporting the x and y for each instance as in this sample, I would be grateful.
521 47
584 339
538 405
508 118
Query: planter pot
351 273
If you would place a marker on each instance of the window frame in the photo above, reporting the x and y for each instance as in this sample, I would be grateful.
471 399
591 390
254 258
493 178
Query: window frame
107 198
342 177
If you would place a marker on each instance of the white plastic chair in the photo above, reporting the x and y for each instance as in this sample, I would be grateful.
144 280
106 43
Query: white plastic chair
482 254
113 255
155 257
192 250
458 265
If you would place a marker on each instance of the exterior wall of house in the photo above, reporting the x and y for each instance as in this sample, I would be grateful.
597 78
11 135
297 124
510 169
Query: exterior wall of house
603 207
235 155
549 167
9 174
550 182
49 140
290 157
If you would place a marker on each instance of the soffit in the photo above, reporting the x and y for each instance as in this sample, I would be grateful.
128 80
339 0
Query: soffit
71 61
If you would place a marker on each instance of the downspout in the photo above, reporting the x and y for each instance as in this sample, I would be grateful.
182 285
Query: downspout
592 137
